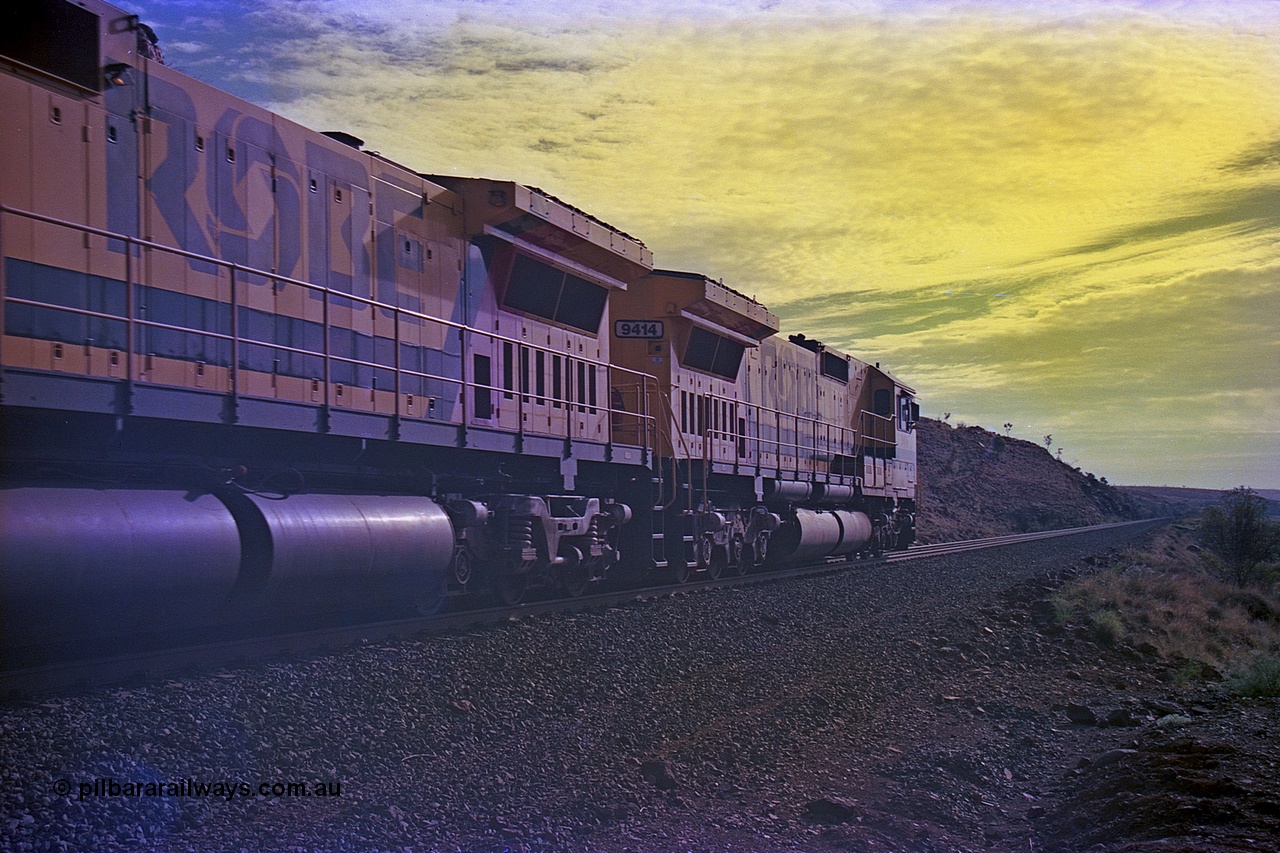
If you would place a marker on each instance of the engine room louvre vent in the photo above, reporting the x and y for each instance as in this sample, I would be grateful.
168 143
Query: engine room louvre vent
544 291
55 37
835 367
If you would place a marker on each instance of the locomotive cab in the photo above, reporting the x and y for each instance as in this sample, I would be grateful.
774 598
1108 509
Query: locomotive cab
886 460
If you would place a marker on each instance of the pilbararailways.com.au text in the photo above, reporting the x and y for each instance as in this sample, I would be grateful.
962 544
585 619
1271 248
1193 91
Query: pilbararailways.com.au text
227 789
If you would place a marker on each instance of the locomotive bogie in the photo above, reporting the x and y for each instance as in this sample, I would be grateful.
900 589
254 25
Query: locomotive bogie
567 541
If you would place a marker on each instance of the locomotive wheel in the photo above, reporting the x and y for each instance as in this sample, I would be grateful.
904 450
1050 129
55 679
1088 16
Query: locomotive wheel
878 540
510 588
718 563
574 573
745 562
680 572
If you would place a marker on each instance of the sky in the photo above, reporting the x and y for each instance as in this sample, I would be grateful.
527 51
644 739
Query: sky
1060 216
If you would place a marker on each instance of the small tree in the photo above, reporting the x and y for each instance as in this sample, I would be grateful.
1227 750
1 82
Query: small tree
1239 533
1007 428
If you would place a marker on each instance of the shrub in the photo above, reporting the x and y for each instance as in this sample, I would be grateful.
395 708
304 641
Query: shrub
1239 533
1107 626
1261 678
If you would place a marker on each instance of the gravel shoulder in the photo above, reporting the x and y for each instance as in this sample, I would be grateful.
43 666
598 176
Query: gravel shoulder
922 706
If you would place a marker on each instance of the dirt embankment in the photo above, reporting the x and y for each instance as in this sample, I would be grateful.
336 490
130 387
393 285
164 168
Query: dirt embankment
976 483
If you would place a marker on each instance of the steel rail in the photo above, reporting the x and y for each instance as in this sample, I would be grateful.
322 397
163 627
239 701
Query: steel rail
171 662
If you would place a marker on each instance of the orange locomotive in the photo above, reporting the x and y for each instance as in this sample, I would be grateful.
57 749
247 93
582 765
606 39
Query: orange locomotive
765 447
253 371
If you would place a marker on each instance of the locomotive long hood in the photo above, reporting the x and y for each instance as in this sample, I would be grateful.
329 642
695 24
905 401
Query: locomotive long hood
527 215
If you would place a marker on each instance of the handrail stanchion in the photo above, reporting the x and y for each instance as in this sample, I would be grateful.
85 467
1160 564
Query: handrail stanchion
235 344
130 327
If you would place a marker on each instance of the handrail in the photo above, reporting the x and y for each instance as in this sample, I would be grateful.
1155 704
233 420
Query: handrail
848 434
671 416
758 443
235 275
871 431
283 279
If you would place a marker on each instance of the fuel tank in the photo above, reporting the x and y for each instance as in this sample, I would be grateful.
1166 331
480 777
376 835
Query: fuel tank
814 534
82 567
835 494
111 562
787 490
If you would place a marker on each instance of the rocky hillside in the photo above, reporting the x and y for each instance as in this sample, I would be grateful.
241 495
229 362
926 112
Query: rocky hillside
976 483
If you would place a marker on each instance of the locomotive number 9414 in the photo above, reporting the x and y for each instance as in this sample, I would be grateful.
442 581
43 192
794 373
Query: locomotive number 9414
648 329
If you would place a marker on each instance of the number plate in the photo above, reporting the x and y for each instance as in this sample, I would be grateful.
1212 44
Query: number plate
649 329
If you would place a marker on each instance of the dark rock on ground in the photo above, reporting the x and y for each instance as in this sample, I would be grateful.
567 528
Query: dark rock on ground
1081 715
830 809
659 775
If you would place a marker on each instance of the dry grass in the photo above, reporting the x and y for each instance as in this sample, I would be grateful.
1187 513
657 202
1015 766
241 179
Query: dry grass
1166 597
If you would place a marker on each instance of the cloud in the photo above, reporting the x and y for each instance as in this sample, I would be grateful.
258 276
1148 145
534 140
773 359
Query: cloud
1265 156
1248 210
1114 363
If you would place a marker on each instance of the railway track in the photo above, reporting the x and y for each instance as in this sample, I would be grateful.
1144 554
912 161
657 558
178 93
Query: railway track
159 663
